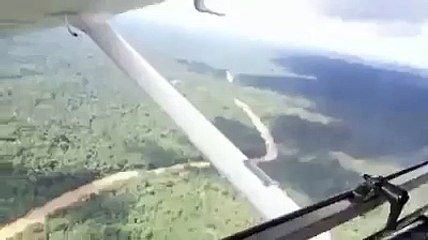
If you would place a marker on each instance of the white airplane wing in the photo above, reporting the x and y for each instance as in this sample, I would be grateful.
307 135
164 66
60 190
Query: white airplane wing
40 13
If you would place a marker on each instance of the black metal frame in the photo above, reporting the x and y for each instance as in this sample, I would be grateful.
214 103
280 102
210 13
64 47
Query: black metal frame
323 216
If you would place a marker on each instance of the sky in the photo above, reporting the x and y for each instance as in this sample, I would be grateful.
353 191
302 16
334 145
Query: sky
385 30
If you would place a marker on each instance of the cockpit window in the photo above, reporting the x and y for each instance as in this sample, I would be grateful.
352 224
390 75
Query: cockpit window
313 98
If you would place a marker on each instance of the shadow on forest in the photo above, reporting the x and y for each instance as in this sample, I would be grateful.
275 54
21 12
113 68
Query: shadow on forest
382 110
247 139
318 178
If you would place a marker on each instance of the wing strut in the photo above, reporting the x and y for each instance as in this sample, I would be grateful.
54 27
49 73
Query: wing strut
270 201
